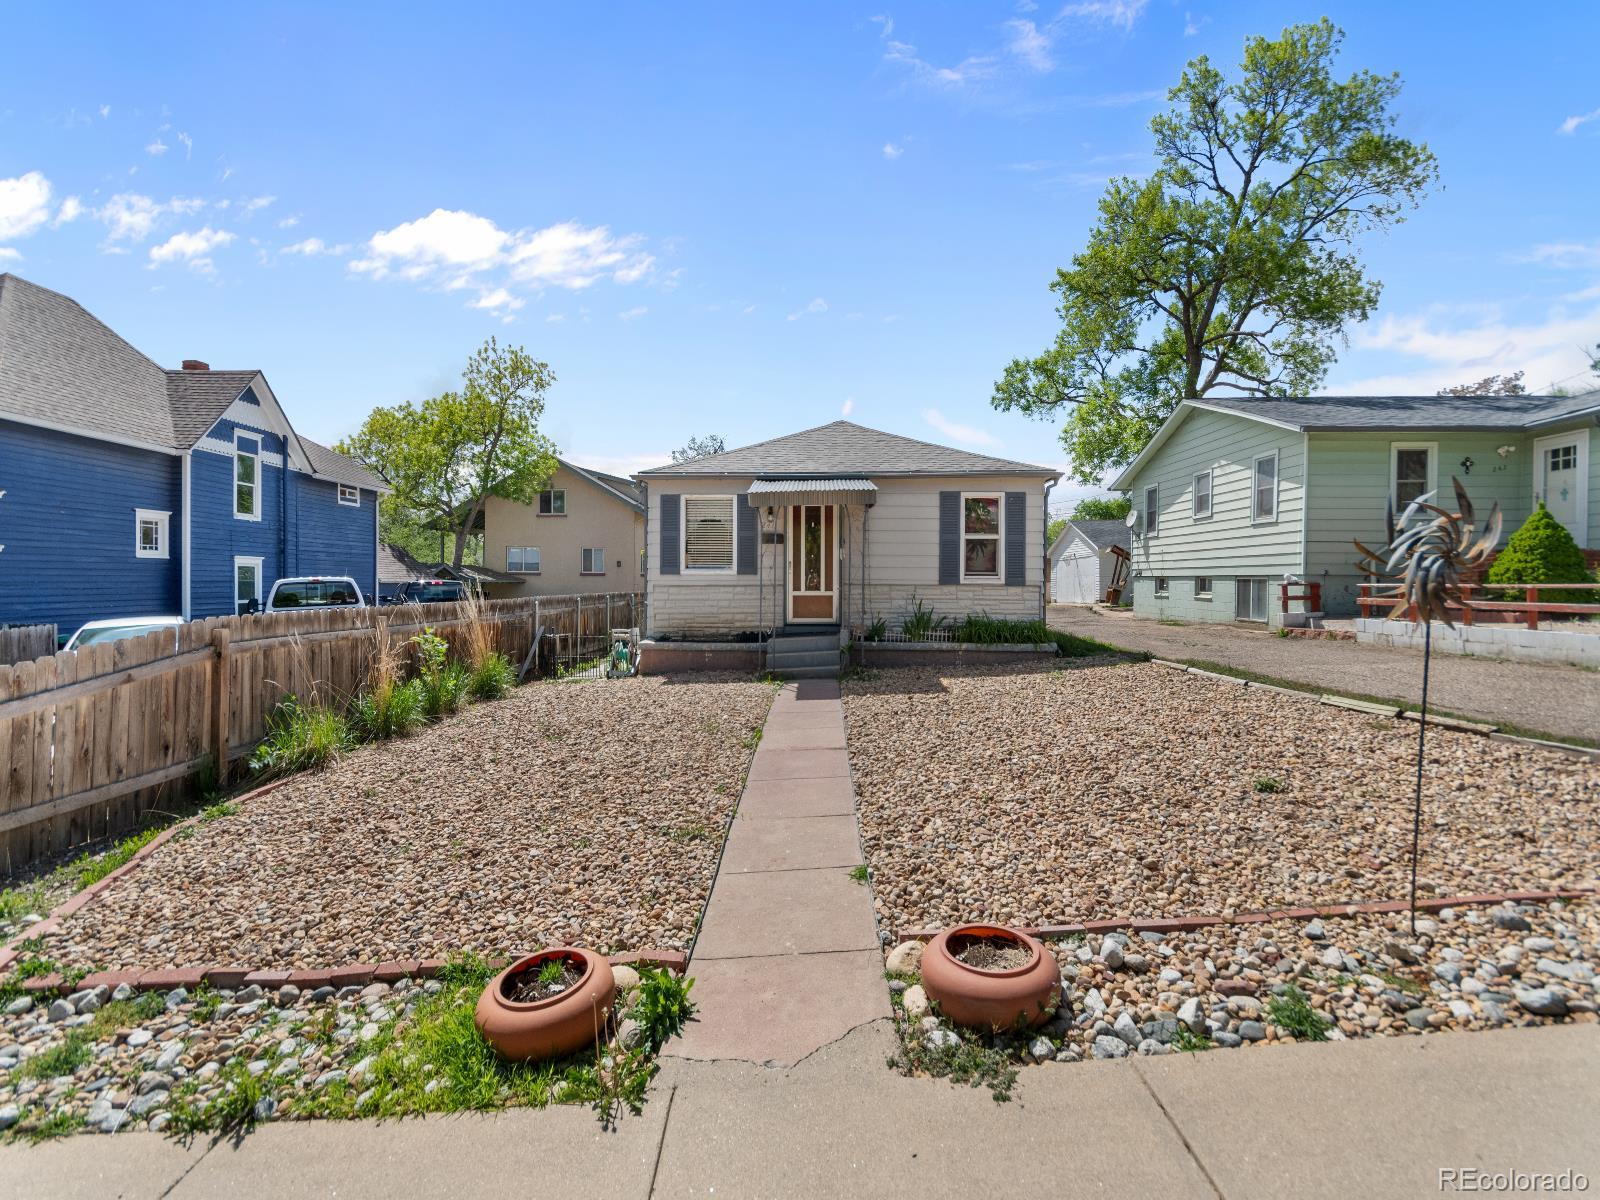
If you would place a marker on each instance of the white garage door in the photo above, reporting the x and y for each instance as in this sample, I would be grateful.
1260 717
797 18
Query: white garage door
1076 580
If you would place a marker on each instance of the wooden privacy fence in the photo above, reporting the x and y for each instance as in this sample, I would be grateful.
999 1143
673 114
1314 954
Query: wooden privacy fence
94 739
23 643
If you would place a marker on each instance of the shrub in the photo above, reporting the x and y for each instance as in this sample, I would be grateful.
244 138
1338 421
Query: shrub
299 737
1542 551
389 710
443 683
492 677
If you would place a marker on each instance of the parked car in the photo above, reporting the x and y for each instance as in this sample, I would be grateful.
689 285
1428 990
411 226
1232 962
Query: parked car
314 591
429 591
115 629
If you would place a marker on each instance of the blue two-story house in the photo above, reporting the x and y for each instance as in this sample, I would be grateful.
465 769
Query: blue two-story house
127 489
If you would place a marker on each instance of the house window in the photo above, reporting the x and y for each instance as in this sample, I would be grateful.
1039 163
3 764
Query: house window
246 478
1202 494
246 583
349 495
594 561
1202 587
1264 490
553 503
1152 508
1161 585
523 560
1410 471
980 536
1252 599
150 533
1562 458
708 533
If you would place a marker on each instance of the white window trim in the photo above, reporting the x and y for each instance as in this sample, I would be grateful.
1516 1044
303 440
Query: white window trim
524 570
683 536
1394 469
246 560
1146 529
163 522
591 552
258 455
1256 519
999 575
554 492
354 491
1194 499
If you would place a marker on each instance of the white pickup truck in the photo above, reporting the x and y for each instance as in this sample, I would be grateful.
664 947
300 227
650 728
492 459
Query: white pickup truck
314 591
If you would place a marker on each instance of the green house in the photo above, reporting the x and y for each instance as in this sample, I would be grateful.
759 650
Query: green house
1233 496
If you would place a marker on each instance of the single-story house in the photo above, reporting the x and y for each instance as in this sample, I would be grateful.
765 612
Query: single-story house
584 533
127 489
833 528
1233 495
1083 560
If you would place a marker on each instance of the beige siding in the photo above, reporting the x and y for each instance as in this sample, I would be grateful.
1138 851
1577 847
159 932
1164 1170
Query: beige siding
594 518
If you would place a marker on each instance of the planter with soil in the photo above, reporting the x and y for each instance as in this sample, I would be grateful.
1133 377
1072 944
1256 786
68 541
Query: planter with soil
991 977
548 1004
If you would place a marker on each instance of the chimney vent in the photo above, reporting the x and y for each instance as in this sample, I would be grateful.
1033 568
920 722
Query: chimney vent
194 364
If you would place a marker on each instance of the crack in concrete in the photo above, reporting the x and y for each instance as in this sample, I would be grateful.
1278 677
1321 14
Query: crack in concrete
1178 1129
661 1142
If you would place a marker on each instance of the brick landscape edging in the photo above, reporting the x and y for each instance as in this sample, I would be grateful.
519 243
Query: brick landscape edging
1348 909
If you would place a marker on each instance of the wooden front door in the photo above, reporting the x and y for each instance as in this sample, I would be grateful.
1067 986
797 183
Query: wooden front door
813 564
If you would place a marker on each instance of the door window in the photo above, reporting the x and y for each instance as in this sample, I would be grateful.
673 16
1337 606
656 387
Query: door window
1252 599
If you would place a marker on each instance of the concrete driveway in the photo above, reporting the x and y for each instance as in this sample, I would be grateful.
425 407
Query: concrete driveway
1562 702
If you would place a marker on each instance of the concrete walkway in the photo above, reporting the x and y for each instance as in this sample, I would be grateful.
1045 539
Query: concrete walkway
1553 699
787 958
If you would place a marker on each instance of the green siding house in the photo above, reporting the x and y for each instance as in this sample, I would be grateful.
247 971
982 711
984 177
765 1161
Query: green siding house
1233 496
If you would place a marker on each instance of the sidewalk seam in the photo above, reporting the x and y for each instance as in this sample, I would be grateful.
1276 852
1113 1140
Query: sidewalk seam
171 1187
661 1142
1178 1129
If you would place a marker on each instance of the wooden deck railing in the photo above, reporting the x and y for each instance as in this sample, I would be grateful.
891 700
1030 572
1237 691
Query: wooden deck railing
1376 599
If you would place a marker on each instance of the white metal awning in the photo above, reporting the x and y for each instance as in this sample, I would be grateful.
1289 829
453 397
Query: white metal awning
779 492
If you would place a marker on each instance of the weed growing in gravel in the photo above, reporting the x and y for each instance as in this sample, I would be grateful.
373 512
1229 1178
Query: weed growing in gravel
662 1005
59 1123
1292 1013
1400 983
230 1110
215 812
1269 786
752 739
965 1062
493 678
99 867
18 902
689 833
1188 1041
136 1010
859 873
65 1057
299 737
389 710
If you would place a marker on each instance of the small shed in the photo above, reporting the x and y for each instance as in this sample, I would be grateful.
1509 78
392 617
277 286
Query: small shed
1082 561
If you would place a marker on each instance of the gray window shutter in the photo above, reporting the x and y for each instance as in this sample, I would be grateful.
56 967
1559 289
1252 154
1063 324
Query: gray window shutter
1016 535
949 537
671 531
744 538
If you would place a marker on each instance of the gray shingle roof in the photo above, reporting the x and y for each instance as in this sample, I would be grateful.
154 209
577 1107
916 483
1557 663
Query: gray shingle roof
627 490
845 448
198 398
1103 535
1408 412
328 463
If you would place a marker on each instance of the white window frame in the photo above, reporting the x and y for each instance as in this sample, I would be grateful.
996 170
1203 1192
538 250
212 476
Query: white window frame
1207 592
538 509
1195 510
1432 482
1151 512
355 495
522 553
683 537
247 560
592 555
998 537
254 485
163 524
1255 517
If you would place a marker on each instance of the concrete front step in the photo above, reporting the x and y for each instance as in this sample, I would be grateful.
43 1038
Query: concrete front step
829 672
826 642
802 658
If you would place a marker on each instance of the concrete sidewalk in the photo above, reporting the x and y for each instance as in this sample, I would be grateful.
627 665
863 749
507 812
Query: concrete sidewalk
1373 1119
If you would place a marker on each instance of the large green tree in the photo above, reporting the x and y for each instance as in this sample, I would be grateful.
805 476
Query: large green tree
446 456
1233 266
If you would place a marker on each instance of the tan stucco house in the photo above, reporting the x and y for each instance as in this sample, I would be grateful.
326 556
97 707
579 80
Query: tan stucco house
584 534
825 531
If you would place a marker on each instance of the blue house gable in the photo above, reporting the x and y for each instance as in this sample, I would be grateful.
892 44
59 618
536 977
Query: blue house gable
130 490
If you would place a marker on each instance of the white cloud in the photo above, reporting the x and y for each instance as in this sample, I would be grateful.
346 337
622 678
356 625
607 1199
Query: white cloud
819 305
1566 254
441 242
571 256
634 313
1027 42
1119 13
24 205
105 110
555 318
885 25
257 203
970 435
848 407
71 209
188 145
1030 45
968 70
133 217
313 246
497 300
1570 125
9 254
157 147
193 249
891 151
289 222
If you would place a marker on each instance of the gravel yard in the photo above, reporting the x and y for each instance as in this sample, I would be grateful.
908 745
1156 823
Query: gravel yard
1129 790
569 812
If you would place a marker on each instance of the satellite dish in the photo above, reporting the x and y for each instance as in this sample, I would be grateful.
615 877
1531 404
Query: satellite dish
1132 519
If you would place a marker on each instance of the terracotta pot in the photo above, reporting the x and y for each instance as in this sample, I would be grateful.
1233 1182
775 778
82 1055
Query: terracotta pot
1025 995
554 1026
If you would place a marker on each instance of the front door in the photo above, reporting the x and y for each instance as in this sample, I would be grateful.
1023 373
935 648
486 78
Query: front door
1560 479
813 564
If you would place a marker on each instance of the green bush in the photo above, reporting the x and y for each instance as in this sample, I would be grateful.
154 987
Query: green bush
1542 551
389 710
921 622
492 678
299 737
444 683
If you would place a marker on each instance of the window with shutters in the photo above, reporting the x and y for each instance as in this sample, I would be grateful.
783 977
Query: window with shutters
980 537
708 533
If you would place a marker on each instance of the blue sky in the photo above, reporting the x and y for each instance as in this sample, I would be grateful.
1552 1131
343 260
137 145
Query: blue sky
733 219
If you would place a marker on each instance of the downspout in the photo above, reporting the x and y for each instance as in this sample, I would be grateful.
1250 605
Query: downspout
1044 578
184 568
284 569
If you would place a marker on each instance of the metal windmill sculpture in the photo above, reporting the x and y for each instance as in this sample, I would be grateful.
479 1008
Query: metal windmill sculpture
1428 554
